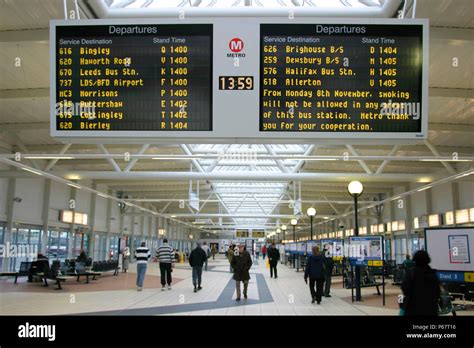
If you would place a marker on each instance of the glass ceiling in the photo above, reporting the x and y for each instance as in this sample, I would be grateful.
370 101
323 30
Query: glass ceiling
249 197
153 4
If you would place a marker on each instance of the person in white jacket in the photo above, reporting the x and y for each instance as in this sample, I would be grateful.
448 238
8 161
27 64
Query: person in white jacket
206 249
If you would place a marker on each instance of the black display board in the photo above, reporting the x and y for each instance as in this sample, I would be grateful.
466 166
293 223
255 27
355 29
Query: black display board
341 78
134 77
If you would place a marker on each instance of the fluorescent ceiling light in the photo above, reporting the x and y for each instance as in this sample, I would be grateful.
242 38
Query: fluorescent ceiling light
31 171
444 160
49 157
425 188
175 158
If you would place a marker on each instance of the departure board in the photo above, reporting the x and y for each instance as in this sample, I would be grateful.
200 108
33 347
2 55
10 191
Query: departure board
341 78
231 79
150 77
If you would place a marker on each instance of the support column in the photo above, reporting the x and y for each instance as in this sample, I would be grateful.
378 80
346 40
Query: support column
45 214
456 202
92 240
8 237
108 225
72 195
408 221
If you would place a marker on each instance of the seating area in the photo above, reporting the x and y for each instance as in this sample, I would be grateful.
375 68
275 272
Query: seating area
366 280
59 272
106 266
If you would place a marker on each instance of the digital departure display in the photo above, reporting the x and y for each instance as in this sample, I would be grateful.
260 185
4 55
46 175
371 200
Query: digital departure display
154 77
341 78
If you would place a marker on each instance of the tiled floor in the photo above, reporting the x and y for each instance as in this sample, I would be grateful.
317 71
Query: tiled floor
286 295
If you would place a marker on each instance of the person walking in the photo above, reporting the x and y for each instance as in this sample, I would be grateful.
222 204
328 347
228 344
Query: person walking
196 259
421 287
213 252
264 251
315 272
328 267
126 259
165 256
205 247
273 257
241 263
257 251
142 255
230 255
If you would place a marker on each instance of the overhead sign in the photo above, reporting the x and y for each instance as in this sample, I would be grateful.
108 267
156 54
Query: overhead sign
239 79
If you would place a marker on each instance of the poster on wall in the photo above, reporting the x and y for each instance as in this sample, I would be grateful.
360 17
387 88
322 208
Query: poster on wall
451 250
365 248
332 248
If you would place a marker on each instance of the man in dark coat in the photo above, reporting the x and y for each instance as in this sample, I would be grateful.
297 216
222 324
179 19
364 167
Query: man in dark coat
241 264
315 271
273 258
421 287
197 258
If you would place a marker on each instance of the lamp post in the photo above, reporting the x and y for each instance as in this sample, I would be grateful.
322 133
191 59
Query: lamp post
294 222
355 189
311 213
283 228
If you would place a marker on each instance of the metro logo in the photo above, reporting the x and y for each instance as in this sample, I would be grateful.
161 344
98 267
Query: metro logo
236 45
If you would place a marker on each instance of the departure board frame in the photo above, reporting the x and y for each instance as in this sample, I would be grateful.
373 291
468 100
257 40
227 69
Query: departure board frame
236 113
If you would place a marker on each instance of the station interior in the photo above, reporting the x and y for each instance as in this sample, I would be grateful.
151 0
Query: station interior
62 195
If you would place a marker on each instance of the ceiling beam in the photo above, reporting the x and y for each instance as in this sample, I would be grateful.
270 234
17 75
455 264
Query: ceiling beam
24 93
239 176
25 35
451 127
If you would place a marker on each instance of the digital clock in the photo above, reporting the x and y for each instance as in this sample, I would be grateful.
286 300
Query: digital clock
232 83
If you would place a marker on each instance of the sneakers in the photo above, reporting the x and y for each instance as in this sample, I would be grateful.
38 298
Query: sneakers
199 288
169 287
139 288
163 288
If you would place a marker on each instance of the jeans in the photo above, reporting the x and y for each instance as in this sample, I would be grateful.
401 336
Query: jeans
327 284
273 269
165 270
237 286
141 270
319 288
197 275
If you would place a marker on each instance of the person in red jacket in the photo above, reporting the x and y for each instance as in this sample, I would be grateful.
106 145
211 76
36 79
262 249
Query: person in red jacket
264 251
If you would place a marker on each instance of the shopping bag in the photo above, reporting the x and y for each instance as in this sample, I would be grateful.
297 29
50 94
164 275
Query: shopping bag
268 263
